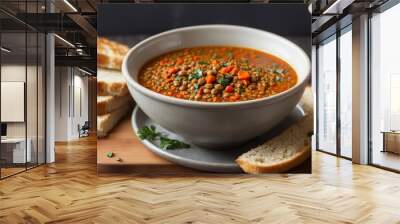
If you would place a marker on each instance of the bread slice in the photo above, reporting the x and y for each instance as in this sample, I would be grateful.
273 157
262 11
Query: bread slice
111 83
107 104
285 151
110 54
107 121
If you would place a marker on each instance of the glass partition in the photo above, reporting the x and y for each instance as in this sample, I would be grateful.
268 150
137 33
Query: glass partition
23 89
14 151
31 97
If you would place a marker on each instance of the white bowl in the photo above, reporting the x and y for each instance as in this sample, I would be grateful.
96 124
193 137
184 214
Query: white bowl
222 124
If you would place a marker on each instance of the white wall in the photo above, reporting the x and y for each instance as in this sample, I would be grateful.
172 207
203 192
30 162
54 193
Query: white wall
81 102
70 83
12 73
61 103
314 90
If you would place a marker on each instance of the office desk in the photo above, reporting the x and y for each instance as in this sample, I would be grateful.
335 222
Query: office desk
13 150
391 141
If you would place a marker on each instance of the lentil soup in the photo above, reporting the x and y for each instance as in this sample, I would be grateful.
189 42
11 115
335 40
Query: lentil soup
217 74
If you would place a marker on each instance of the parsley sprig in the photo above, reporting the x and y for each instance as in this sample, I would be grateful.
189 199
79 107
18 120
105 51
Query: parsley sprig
150 133
167 143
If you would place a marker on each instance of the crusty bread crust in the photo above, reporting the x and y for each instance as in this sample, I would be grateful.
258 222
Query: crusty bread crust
293 139
279 167
110 54
108 104
107 122
101 108
113 89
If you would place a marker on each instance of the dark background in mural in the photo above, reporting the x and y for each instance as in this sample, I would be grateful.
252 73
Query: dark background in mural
142 20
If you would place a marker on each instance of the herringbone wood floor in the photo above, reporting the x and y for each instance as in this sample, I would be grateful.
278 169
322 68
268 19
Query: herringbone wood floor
70 191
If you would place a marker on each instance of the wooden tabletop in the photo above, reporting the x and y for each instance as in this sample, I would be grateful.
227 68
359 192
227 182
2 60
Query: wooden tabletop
135 157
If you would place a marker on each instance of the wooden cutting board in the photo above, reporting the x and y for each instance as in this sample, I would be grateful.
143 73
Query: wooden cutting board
136 158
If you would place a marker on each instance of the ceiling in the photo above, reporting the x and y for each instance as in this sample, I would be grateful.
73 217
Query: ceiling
332 15
22 20
76 22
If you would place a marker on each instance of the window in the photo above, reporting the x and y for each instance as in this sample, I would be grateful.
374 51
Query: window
327 96
334 106
385 89
346 93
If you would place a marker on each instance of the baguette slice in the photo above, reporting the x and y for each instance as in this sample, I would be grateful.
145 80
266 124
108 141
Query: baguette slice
110 54
285 151
107 104
107 121
111 83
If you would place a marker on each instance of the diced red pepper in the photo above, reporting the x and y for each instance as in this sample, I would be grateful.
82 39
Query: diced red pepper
229 89
226 69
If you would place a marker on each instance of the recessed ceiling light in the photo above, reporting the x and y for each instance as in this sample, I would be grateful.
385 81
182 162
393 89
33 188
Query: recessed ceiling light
5 49
337 7
64 40
84 71
70 5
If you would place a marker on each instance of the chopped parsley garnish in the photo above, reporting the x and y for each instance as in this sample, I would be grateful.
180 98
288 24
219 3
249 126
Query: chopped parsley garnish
278 78
110 154
215 56
226 64
203 63
196 75
150 133
278 71
241 89
245 67
225 80
258 69
179 78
